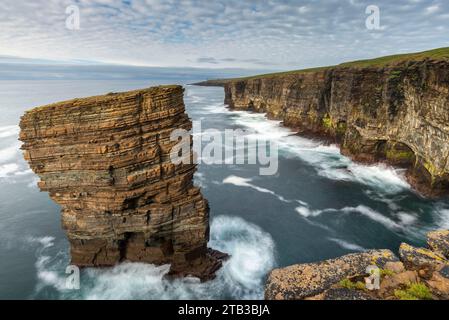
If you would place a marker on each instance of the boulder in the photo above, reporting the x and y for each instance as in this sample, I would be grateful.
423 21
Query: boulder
438 241
417 258
439 283
389 283
396 267
310 279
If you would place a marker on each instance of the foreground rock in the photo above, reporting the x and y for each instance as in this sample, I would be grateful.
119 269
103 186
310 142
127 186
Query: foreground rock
416 258
438 241
422 274
305 280
105 161
391 109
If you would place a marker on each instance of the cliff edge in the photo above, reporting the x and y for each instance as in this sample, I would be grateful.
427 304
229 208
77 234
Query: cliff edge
393 109
105 161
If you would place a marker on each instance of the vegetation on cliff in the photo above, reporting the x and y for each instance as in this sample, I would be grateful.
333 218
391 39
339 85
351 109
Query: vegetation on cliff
435 54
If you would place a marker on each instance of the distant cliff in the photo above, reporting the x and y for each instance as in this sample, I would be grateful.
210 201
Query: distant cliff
393 109
105 161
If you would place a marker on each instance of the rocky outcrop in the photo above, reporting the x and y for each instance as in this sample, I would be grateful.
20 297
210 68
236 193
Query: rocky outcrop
305 280
419 274
105 160
398 112
438 241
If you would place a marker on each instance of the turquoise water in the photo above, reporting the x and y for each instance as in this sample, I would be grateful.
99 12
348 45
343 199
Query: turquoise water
319 205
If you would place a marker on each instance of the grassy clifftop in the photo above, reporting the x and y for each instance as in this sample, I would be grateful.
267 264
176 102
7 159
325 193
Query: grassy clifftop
436 54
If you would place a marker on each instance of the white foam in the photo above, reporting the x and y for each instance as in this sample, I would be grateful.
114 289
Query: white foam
373 215
443 217
215 108
48 277
244 182
328 160
406 218
45 242
347 245
306 212
242 276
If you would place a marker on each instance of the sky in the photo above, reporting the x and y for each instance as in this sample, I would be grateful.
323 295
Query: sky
253 34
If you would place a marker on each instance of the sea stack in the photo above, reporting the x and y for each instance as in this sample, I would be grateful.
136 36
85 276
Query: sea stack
106 161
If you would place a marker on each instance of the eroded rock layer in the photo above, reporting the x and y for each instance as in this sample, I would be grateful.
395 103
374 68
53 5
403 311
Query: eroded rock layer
106 161
397 113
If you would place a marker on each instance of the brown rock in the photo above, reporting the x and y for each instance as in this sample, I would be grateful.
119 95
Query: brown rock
438 241
389 283
439 282
416 258
396 267
395 113
105 161
310 279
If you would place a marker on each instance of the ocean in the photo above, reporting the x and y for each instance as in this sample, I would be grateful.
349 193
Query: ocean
318 205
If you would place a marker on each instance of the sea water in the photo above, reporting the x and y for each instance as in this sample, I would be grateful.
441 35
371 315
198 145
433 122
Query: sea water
319 205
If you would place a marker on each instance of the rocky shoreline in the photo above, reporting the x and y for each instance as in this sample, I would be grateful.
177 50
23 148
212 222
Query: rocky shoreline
418 274
394 113
106 161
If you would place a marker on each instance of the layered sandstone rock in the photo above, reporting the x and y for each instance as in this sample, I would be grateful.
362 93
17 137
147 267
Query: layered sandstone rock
106 161
421 273
396 112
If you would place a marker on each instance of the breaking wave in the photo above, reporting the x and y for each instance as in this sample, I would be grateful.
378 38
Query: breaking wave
327 160
252 256
347 245
361 209
245 182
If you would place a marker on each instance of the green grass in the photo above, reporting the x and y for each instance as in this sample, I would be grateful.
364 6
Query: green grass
436 54
415 291
348 284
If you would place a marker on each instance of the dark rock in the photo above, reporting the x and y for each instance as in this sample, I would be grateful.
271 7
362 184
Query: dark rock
346 294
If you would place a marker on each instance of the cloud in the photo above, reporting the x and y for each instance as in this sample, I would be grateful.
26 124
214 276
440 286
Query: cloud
220 33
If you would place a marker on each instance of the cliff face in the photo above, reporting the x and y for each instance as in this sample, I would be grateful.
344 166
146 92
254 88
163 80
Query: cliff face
105 161
397 113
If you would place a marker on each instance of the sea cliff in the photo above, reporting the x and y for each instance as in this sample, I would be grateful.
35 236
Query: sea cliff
105 160
393 109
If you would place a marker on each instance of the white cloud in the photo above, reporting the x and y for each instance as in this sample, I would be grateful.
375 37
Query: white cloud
432 9
277 34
